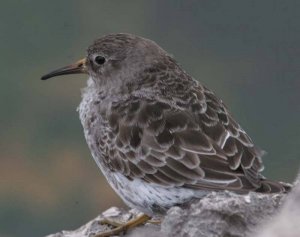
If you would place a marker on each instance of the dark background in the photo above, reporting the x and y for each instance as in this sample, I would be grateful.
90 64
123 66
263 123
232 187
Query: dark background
248 52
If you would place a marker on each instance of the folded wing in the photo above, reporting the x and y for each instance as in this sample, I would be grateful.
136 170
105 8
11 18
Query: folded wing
196 145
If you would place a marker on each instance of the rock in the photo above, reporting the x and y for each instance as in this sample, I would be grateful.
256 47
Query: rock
94 226
221 214
287 222
218 214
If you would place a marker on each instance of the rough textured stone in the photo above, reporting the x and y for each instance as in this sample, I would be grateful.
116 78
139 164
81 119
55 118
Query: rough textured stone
218 214
221 214
94 226
287 222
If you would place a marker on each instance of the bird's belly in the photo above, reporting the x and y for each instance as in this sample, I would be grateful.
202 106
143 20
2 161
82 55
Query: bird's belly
150 198
146 197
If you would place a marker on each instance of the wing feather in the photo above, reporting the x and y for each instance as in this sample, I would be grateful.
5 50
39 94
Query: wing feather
196 144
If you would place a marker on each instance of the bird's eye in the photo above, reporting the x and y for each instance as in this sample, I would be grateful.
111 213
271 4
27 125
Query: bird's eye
99 60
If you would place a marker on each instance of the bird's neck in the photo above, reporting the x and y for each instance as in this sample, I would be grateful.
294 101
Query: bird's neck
98 92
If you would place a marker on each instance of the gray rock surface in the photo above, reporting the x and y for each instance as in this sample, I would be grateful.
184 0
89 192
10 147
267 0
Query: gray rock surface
218 214
287 222
221 214
94 226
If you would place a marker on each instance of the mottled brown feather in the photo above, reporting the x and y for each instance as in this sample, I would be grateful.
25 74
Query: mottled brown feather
180 134
185 147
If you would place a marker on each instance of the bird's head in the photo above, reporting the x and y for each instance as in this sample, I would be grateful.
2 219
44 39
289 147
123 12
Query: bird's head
114 57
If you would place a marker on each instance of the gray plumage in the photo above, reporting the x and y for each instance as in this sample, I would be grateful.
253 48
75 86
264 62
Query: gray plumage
159 136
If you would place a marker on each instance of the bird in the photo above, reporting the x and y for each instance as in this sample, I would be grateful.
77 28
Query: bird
160 137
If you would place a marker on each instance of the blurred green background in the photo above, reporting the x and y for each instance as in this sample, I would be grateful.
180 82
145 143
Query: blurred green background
248 52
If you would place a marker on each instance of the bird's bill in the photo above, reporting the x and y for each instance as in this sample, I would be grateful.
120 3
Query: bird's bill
76 68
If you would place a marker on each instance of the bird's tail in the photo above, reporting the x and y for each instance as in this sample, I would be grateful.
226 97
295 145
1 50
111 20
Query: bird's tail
268 186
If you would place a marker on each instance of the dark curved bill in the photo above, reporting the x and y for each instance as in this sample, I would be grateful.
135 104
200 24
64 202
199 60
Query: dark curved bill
76 68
